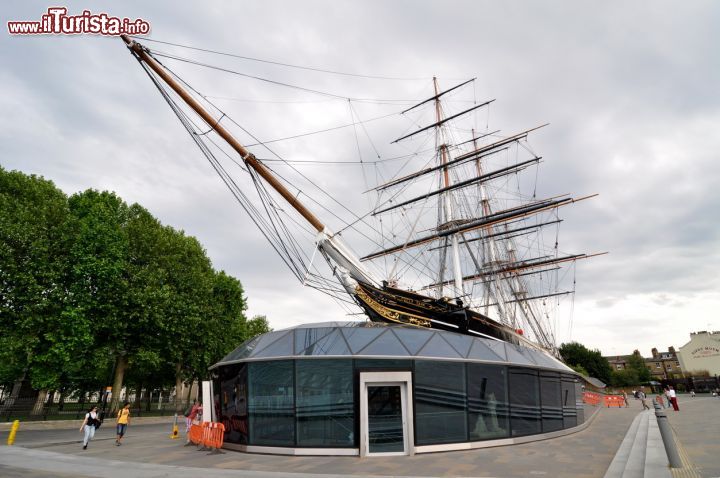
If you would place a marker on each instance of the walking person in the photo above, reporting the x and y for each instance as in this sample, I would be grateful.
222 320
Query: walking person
643 399
660 400
123 420
195 418
667 397
190 414
624 396
673 399
89 424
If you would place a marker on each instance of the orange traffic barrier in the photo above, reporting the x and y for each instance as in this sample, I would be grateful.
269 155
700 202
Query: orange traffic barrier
213 436
195 435
614 401
208 435
591 398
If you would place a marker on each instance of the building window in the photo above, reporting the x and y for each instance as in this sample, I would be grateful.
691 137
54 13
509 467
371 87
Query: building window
551 401
271 403
440 411
487 401
233 403
524 391
619 367
324 403
658 365
677 364
669 367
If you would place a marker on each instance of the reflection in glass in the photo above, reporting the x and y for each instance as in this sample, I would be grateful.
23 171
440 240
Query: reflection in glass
487 401
440 402
579 407
524 401
270 398
233 403
324 403
570 418
380 364
550 397
385 427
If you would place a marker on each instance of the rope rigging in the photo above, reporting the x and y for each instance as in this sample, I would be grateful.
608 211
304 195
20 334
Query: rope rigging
495 267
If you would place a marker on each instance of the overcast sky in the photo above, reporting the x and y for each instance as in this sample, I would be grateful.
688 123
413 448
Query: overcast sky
630 90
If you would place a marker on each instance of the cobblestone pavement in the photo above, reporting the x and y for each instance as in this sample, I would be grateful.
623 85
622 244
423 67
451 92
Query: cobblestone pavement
697 426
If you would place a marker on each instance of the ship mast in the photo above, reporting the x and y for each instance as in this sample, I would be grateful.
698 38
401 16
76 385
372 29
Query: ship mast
446 202
348 268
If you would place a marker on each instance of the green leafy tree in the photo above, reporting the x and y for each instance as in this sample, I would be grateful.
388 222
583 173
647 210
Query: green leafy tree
576 354
636 363
99 285
625 378
44 335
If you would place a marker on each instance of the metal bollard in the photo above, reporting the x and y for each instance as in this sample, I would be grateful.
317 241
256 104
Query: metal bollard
667 436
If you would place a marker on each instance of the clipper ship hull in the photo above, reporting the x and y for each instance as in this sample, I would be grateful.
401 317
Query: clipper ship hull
395 306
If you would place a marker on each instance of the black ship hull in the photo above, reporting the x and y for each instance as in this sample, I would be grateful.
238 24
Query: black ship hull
392 305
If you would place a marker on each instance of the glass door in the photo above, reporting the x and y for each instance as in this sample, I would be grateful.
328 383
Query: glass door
386 413
385 419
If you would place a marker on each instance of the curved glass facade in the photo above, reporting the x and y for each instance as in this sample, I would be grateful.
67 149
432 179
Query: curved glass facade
299 388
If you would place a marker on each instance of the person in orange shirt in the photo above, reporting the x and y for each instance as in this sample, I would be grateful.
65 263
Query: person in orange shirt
123 420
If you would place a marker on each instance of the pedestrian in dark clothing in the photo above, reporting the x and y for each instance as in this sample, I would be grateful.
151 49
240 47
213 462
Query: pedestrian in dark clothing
89 424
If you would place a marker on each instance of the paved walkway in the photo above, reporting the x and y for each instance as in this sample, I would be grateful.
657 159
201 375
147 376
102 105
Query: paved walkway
697 426
149 452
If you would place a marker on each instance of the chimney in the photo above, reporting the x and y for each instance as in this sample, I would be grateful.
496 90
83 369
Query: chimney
655 352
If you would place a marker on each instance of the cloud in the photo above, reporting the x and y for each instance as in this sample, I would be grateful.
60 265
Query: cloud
630 93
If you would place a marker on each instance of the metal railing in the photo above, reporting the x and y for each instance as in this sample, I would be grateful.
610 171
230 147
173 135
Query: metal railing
27 409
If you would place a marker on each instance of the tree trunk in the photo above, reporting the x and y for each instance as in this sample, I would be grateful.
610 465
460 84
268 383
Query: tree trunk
148 399
178 388
40 402
120 366
189 393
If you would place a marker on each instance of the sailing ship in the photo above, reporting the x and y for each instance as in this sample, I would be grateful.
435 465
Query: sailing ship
454 242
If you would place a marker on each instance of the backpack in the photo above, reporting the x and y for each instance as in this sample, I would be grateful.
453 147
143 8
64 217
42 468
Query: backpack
93 422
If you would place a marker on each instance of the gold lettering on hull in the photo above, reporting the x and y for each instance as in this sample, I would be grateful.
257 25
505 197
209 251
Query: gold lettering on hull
390 314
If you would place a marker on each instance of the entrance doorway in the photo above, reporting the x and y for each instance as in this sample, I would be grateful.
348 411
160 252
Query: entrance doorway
386 413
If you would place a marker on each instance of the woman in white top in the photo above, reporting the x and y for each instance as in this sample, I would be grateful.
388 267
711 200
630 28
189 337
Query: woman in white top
88 426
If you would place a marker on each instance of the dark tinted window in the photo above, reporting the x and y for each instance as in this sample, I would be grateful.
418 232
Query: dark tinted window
487 401
440 410
271 403
524 397
233 403
324 403
550 398
567 394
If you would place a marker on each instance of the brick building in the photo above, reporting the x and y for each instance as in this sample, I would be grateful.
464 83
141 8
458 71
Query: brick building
662 365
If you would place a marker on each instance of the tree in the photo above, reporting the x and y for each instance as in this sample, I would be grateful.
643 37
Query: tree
637 363
44 335
576 354
90 285
624 378
99 285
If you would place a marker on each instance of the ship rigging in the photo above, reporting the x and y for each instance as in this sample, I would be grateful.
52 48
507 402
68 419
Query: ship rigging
447 255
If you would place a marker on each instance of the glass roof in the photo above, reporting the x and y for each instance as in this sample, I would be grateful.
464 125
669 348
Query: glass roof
370 339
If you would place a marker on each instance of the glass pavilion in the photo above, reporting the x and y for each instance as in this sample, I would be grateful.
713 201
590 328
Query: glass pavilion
365 388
